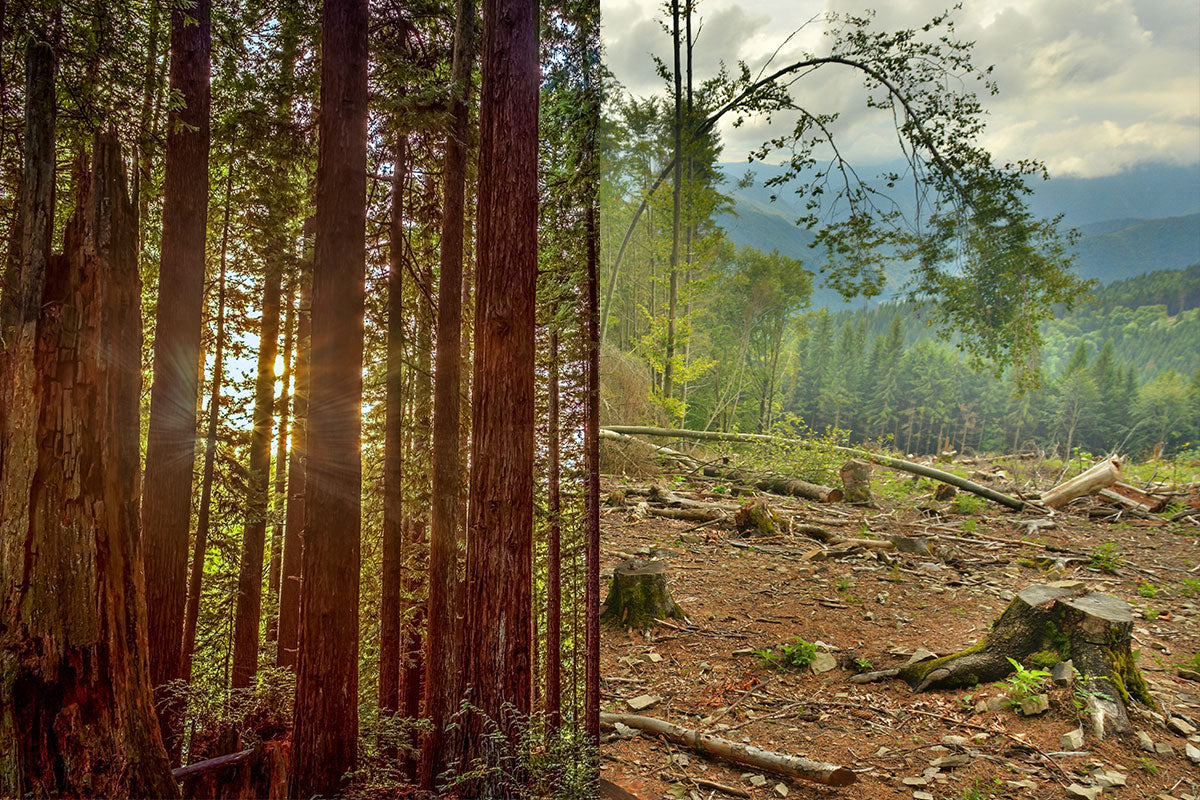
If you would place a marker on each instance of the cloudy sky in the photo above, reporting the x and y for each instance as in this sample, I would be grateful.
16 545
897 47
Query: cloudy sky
1091 87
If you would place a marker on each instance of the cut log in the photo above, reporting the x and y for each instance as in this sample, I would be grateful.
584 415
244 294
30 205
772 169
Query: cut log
615 431
638 595
736 753
856 481
1099 476
1061 622
1136 498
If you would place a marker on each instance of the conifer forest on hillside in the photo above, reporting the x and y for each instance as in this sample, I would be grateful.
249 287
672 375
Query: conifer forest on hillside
590 398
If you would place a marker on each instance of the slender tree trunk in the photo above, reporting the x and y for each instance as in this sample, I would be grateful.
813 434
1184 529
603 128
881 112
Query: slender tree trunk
293 533
592 471
171 441
500 515
553 554
281 457
195 584
325 734
78 716
250 577
393 451
676 194
441 633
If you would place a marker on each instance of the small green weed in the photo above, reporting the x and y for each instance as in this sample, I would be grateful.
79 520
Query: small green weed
970 526
1147 766
1081 694
1106 559
799 653
843 584
1148 590
1150 613
966 504
1190 587
863 665
1024 683
983 789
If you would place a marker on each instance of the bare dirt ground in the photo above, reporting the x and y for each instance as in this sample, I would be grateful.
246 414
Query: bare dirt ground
745 595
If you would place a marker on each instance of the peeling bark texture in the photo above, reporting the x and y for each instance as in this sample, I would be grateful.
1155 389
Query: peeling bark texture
1057 622
248 614
78 718
442 630
293 532
499 590
325 735
638 595
171 439
391 576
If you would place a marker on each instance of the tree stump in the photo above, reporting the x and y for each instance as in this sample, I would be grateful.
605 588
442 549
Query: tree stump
638 595
756 519
856 481
1044 624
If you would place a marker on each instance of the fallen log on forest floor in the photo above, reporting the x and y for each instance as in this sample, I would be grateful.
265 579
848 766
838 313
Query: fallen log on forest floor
877 458
211 765
774 484
735 752
1092 480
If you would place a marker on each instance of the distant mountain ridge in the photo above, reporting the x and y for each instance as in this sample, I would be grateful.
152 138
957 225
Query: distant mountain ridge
1152 222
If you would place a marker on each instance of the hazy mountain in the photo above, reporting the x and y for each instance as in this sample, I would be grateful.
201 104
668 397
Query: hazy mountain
1140 220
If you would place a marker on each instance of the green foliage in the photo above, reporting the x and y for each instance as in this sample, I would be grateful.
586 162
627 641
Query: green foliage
984 789
1190 587
1146 765
794 655
1080 693
1024 683
1147 590
966 504
863 665
1106 558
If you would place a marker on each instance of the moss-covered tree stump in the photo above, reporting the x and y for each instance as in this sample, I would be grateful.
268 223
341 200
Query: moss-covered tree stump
856 481
638 595
1045 624
756 518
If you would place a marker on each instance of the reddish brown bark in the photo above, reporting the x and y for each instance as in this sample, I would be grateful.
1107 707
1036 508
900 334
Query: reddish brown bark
248 615
171 440
200 544
293 535
393 452
498 613
441 633
553 554
77 699
325 735
26 272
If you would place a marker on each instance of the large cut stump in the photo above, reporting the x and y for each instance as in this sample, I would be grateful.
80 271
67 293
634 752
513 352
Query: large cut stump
1057 622
856 481
638 595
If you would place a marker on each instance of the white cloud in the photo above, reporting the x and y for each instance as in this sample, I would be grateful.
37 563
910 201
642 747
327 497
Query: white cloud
1089 86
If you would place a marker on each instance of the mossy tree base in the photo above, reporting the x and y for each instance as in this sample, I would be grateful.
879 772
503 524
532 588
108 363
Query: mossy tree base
1045 623
638 595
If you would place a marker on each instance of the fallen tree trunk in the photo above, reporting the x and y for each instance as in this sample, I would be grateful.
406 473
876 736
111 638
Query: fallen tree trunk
775 484
1090 481
736 753
876 458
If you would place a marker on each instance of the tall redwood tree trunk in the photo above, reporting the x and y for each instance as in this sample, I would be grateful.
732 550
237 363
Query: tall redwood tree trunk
254 533
498 613
393 451
325 735
200 545
283 408
442 634
553 554
171 441
293 532
77 702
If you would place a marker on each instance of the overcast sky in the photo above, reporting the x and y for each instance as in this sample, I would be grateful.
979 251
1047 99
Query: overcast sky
1091 87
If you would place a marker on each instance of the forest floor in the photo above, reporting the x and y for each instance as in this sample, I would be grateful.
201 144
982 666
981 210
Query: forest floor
745 595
